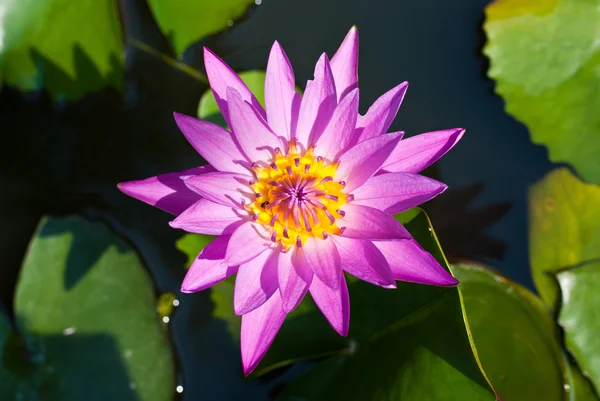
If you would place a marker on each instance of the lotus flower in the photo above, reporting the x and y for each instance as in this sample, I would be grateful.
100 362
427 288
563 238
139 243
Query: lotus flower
299 193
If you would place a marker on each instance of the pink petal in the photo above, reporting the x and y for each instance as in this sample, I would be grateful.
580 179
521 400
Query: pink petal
166 192
363 260
409 262
208 269
381 114
255 282
247 242
323 257
363 222
338 134
396 192
215 144
280 92
420 151
318 103
333 303
295 276
221 77
344 64
259 328
206 217
227 189
362 161
253 135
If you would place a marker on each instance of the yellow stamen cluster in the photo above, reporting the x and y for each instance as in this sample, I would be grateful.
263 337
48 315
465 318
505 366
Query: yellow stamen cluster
297 197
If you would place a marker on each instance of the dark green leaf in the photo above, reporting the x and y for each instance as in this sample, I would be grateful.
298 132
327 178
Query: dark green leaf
514 334
397 332
579 316
564 228
544 56
87 310
66 47
187 21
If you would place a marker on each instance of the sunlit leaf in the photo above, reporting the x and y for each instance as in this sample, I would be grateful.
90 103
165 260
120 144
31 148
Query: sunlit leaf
544 57
187 21
564 228
66 47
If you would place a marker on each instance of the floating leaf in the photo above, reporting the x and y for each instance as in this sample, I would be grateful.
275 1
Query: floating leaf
67 47
187 21
545 58
564 228
100 339
514 334
579 316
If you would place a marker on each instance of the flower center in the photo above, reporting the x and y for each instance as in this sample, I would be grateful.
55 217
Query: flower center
297 197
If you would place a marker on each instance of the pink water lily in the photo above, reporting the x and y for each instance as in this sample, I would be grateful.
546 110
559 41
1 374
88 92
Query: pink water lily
299 192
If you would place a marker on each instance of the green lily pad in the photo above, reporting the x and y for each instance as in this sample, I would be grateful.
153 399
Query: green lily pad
579 316
579 386
514 334
564 228
98 338
544 57
187 21
66 47
400 341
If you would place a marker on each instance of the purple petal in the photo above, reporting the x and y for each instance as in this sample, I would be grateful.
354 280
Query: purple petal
338 134
381 114
363 260
295 277
409 262
420 151
344 64
259 328
323 257
208 269
206 217
318 103
221 77
396 192
280 92
333 303
360 162
247 242
253 135
166 192
363 222
215 144
227 189
255 282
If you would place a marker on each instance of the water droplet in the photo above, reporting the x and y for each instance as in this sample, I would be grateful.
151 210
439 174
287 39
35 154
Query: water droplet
132 385
175 302
128 353
567 387
179 389
230 23
258 2
165 319
68 331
